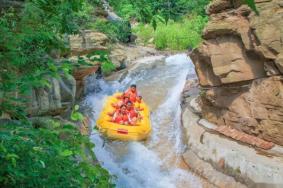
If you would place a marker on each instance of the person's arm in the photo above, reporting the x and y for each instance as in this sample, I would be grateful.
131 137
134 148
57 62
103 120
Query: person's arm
114 105
114 117
130 119
120 96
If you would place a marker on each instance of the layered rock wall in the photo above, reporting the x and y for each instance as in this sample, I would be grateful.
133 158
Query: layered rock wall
240 67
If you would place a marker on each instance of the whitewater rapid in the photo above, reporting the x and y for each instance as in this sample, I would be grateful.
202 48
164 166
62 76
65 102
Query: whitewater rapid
156 162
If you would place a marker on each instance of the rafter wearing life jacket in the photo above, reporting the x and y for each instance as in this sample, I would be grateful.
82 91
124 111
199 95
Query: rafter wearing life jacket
123 100
121 116
133 113
131 93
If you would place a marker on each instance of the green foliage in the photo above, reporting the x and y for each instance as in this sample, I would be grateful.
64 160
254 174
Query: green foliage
75 115
175 35
107 68
168 18
53 157
102 57
146 11
116 31
252 5
145 33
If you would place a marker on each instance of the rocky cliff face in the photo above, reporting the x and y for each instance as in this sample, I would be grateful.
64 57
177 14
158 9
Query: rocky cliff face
240 67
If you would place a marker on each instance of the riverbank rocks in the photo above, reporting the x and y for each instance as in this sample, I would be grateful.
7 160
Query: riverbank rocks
240 64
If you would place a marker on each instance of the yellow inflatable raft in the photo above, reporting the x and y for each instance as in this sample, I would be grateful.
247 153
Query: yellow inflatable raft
137 132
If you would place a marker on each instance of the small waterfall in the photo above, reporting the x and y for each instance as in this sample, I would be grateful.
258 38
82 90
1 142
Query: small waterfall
155 162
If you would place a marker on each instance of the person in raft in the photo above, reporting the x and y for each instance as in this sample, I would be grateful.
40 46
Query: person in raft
125 115
132 112
121 116
123 100
131 93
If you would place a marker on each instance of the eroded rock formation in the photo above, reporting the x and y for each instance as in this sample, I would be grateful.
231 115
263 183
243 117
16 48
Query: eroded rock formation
240 67
55 99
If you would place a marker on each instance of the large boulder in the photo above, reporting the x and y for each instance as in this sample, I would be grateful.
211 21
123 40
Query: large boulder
87 41
218 6
118 57
232 66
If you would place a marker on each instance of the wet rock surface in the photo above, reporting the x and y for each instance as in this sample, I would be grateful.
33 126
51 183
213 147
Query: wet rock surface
239 66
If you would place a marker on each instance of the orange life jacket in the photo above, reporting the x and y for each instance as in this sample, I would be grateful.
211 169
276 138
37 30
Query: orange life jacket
120 118
132 95
132 113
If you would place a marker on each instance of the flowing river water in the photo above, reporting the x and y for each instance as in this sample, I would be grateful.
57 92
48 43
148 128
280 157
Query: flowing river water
156 162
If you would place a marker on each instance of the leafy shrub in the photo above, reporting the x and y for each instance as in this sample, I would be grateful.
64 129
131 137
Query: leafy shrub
107 68
144 32
124 8
48 157
116 31
102 57
175 35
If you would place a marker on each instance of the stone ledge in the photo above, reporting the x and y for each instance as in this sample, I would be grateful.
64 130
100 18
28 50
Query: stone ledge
82 72
238 135
243 137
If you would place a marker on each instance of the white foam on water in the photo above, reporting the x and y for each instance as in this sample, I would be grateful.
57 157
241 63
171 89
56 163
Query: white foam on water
150 59
136 164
